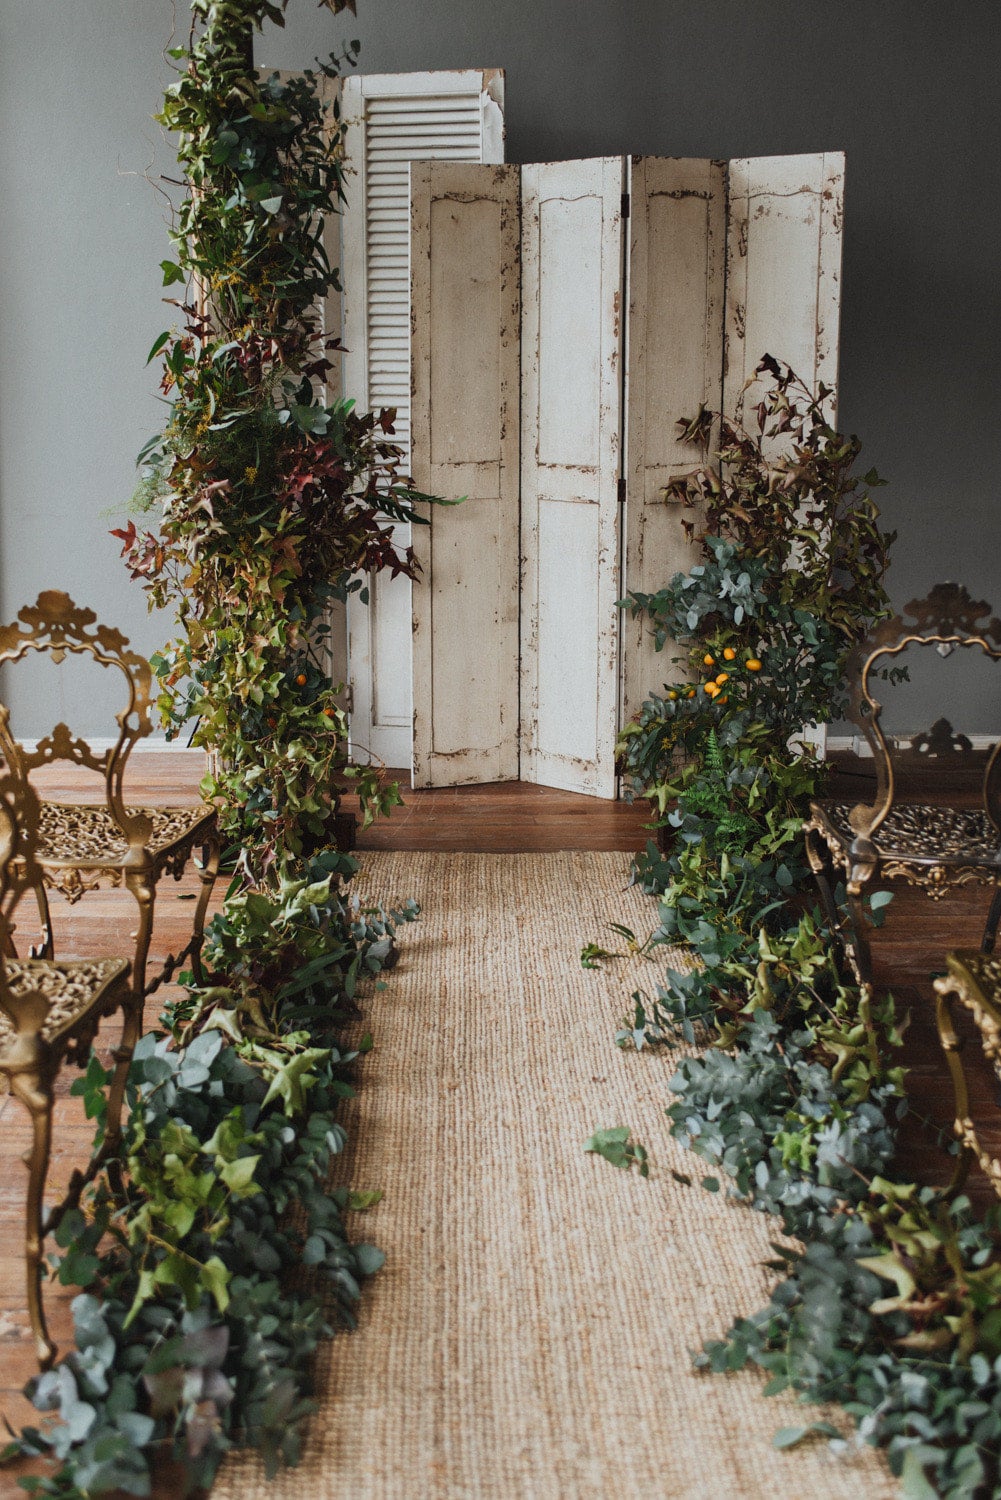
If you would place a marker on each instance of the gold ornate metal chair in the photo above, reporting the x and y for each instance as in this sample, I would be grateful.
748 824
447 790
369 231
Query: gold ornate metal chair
931 846
974 980
50 1012
83 847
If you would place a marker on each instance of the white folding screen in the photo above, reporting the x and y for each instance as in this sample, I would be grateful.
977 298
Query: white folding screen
393 120
622 334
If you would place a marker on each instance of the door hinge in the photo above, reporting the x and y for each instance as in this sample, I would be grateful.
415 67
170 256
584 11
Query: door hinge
622 489
625 205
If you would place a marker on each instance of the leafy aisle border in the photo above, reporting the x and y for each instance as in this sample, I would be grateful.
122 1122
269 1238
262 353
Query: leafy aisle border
893 1305
192 1333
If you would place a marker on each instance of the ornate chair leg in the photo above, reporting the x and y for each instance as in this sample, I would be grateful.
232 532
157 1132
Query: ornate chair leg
859 955
43 948
991 927
143 889
35 1093
952 1046
208 872
819 858
132 1023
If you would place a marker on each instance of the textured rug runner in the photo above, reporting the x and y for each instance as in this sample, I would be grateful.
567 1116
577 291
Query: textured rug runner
530 1335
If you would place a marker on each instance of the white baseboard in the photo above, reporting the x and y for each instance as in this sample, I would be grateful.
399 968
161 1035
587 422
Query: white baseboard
153 742
857 744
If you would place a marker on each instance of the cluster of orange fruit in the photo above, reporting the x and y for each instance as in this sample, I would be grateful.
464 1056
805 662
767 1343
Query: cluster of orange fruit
713 686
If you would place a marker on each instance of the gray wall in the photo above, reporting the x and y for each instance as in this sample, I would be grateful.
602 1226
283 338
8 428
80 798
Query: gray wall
81 236
907 88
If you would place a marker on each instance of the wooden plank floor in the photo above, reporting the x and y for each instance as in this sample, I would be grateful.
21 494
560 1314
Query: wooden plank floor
503 818
511 817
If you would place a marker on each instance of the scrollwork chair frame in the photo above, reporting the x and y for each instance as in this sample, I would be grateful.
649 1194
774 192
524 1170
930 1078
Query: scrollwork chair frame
50 1011
934 847
973 980
83 847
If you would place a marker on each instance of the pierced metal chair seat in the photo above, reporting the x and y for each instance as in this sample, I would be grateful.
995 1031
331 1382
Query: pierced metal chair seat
73 989
50 1012
932 846
83 847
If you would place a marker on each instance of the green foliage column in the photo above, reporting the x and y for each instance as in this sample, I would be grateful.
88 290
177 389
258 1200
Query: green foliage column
274 499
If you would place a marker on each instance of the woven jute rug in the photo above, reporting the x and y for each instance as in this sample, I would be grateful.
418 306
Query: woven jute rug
530 1335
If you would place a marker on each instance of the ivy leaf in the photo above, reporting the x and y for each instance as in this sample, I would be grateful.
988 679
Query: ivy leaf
239 1176
171 273
215 1278
294 1078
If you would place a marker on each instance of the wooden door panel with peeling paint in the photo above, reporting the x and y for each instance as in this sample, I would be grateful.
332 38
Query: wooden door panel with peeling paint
675 276
783 276
783 282
572 305
465 292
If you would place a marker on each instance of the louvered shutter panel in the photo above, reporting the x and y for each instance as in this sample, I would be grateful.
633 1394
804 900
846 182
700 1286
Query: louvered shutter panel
675 274
466 392
572 317
393 120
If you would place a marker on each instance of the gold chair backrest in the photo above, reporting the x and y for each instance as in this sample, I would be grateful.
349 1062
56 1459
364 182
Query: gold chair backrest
19 812
947 618
55 626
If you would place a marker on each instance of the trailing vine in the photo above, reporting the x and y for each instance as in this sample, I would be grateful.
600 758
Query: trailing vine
191 1336
273 501
890 1306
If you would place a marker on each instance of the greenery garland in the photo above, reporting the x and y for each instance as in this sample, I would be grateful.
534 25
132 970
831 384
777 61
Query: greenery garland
893 1305
190 1337
274 500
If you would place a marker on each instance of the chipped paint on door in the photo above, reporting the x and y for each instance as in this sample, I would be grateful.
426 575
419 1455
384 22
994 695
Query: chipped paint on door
465 296
783 291
572 339
675 276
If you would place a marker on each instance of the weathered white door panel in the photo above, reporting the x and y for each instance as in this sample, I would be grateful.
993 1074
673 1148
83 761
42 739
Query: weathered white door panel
392 120
465 290
783 294
571 424
675 276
